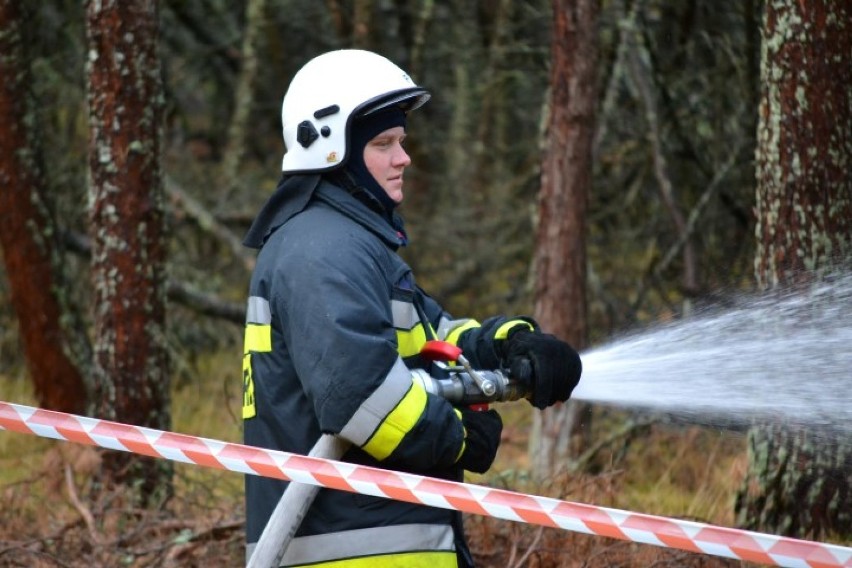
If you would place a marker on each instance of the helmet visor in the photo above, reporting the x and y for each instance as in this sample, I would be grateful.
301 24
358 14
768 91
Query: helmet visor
407 100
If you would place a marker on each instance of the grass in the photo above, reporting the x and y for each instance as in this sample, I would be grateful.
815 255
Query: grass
677 471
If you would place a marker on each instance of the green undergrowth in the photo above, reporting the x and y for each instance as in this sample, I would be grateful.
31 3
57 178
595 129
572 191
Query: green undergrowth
208 405
20 454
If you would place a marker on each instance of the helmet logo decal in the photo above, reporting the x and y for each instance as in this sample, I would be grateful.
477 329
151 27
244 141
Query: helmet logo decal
332 157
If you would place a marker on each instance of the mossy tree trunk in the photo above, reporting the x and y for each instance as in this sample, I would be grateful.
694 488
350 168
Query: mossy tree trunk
560 250
54 345
798 482
127 221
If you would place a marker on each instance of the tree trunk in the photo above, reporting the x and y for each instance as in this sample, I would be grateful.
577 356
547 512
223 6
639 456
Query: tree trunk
798 482
55 348
560 252
804 194
127 221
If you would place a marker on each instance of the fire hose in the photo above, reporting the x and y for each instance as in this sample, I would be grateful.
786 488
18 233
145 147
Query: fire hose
464 386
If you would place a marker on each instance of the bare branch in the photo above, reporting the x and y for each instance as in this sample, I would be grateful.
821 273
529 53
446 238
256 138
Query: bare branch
84 511
640 69
523 559
179 292
205 304
626 27
207 221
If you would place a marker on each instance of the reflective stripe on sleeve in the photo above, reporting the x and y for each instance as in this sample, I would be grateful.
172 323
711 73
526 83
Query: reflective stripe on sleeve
398 423
464 439
410 333
411 342
450 330
369 547
503 330
375 410
404 315
257 311
258 338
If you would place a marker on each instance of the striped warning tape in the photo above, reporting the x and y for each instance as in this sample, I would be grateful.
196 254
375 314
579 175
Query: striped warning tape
589 519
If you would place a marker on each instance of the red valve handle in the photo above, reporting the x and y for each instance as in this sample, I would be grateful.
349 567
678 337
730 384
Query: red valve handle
436 350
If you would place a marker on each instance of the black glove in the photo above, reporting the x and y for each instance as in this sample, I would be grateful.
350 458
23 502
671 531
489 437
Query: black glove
482 436
549 366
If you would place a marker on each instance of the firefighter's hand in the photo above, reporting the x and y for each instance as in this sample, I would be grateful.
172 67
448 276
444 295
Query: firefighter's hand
482 437
550 367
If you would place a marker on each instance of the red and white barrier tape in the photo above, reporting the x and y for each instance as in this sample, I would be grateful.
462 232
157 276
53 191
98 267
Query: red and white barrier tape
589 519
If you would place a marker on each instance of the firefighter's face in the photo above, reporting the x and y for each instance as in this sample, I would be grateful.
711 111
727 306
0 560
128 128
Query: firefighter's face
386 159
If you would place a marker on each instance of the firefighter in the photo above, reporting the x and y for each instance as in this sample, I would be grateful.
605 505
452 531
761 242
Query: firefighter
336 321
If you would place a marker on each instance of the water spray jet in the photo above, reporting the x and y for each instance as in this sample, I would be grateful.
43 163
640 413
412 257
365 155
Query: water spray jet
783 356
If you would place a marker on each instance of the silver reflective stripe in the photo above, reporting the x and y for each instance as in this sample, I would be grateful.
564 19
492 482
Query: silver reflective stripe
258 311
369 542
445 326
376 408
404 315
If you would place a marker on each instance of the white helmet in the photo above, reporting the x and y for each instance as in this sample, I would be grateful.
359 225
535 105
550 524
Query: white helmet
327 93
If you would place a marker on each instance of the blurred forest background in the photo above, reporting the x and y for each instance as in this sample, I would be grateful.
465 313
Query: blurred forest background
669 226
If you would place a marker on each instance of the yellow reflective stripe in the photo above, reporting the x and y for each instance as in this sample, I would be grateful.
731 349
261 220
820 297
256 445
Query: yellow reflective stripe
407 559
258 338
398 423
503 330
453 336
249 407
464 438
410 342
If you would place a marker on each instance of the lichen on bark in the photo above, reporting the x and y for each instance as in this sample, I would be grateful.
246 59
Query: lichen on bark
798 481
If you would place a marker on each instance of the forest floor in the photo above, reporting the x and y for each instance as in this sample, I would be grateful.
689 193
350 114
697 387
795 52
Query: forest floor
52 517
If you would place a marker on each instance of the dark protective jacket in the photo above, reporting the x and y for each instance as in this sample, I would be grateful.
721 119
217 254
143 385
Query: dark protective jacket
335 321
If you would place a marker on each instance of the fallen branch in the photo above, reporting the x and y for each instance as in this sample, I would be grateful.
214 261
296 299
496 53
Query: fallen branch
522 561
84 511
208 222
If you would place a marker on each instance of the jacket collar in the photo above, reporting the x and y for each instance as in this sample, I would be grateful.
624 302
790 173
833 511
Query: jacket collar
295 192
289 198
349 205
